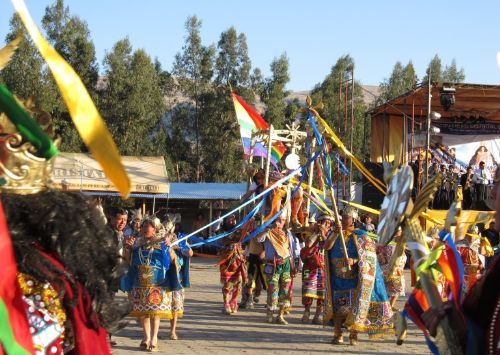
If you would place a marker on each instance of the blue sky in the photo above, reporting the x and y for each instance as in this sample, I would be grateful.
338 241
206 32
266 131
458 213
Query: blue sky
313 33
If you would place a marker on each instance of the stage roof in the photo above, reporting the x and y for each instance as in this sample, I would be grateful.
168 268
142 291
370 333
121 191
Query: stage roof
473 102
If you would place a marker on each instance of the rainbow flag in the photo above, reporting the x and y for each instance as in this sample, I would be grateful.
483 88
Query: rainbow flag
251 121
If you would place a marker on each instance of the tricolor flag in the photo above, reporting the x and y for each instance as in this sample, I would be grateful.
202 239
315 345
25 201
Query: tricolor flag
251 121
15 337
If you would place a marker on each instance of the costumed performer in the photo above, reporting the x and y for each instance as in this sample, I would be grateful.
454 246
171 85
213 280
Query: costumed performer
155 281
278 268
394 281
478 327
313 269
232 267
68 268
359 300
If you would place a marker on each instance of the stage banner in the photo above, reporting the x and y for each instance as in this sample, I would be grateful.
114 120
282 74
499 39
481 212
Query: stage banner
471 127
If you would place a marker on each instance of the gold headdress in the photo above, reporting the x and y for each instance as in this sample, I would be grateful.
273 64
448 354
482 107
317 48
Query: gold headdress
23 171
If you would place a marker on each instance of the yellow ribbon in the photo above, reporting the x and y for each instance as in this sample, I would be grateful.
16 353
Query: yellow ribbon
432 219
336 140
317 192
85 116
361 207
442 223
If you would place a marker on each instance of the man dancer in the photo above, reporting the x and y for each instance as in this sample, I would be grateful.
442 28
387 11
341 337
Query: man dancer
359 300
256 280
278 269
232 267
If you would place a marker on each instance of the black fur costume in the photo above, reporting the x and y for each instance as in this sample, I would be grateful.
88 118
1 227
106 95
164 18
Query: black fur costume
69 227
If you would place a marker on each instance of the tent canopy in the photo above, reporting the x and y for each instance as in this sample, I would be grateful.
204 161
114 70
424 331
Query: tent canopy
148 175
474 117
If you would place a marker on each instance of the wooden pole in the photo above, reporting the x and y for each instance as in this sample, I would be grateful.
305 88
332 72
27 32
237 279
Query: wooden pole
337 220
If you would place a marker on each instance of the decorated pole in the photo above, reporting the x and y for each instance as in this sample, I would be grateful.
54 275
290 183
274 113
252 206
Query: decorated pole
310 182
397 208
337 220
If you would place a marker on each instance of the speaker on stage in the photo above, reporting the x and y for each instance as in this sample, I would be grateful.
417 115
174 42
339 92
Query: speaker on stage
371 196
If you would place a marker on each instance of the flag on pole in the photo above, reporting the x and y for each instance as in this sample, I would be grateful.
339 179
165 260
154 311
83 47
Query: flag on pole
251 121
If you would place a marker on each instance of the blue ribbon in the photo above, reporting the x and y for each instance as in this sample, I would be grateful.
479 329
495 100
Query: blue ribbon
343 169
245 219
315 128
430 344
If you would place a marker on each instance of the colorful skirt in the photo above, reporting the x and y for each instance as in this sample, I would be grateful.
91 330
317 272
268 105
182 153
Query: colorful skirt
313 283
156 301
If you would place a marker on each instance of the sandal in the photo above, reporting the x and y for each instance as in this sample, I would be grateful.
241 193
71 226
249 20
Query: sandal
338 339
353 339
154 348
144 345
305 317
173 337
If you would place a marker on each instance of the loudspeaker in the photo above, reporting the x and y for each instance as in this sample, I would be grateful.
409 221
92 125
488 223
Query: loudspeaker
371 196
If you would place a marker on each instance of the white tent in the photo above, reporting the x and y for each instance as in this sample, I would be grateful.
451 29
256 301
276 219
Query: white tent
81 172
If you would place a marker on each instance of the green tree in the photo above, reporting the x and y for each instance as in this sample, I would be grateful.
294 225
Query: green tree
132 101
193 70
337 106
402 80
275 92
451 74
26 75
70 36
435 70
222 151
257 82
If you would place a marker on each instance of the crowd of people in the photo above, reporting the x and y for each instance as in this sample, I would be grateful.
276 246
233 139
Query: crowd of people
475 184
349 280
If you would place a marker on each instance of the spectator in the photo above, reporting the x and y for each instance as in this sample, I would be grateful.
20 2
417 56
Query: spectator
467 188
492 235
481 180
367 224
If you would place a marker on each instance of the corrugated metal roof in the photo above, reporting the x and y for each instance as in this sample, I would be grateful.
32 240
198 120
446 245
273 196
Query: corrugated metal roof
207 191
191 191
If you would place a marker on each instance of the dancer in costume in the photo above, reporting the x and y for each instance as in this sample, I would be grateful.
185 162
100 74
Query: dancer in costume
155 281
134 228
256 280
278 268
479 326
313 269
473 262
232 267
395 280
359 300
68 264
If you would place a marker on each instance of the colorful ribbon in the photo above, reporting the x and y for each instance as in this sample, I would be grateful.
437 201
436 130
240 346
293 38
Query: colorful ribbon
85 116
336 140
26 125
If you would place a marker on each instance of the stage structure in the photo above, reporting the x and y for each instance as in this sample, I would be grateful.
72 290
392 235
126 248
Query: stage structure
454 122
